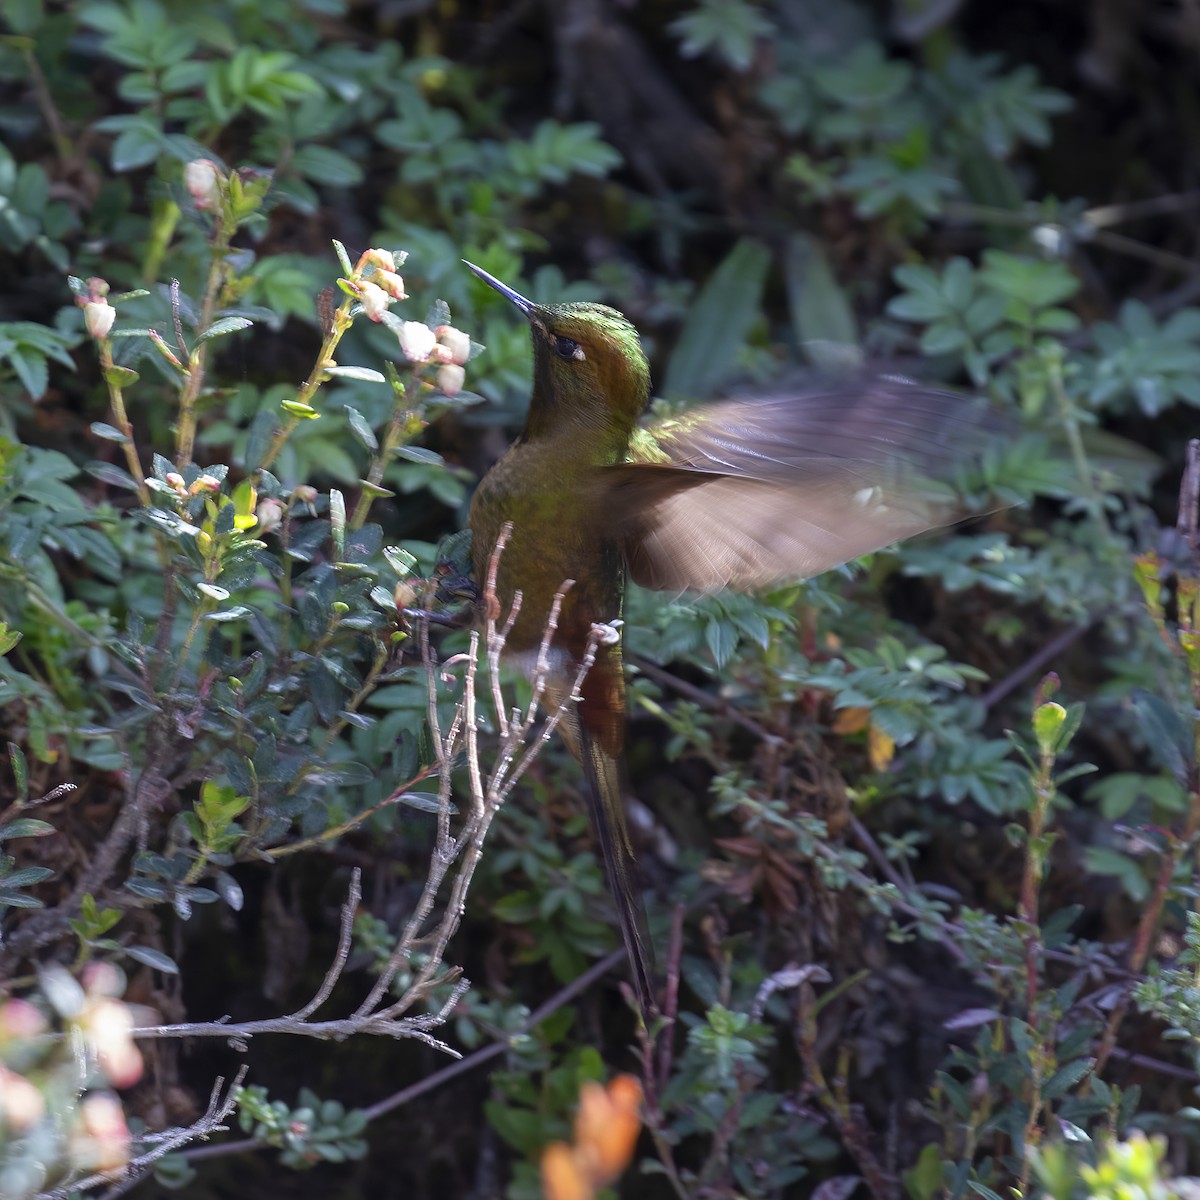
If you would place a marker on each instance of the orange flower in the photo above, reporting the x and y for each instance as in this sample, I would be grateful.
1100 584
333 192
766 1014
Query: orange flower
606 1131
561 1176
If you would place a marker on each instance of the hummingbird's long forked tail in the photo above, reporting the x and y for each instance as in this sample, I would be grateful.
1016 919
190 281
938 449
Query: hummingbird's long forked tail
607 811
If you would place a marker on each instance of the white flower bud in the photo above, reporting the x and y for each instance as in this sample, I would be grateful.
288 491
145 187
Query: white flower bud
202 178
98 318
450 378
416 340
374 299
457 342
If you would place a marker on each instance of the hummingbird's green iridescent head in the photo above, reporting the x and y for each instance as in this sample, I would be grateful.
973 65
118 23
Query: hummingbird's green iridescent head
590 373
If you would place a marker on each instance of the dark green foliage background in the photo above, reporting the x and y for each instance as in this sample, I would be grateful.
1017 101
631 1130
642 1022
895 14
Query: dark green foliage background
840 773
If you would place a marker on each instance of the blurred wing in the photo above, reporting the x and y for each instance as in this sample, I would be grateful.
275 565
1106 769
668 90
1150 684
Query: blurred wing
755 490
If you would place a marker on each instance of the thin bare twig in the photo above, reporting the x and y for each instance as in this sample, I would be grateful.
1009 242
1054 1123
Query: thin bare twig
414 1091
163 1144
515 754
298 1023
349 909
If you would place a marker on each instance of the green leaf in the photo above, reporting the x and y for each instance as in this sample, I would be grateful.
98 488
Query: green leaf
362 430
223 326
718 323
31 369
24 827
419 454
237 613
366 374
727 29
20 770
721 639
423 802
113 475
299 409
120 377
821 314
150 957
322 164
136 147
983 1190
1066 1077
1166 732
108 433
26 876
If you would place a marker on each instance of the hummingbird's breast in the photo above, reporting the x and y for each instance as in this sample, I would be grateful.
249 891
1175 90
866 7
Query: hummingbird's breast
556 536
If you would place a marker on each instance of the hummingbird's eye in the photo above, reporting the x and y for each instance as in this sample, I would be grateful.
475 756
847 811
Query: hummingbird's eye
565 348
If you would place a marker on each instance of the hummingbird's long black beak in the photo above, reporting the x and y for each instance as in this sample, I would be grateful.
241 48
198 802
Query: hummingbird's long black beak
526 306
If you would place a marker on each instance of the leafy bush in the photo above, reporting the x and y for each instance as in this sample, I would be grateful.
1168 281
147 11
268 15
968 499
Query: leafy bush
905 945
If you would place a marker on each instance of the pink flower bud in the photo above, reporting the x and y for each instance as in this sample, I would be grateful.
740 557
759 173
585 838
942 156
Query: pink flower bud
305 493
102 979
202 178
204 483
450 378
416 340
457 342
21 1104
107 1026
269 514
174 481
19 1019
104 1145
374 299
391 283
98 318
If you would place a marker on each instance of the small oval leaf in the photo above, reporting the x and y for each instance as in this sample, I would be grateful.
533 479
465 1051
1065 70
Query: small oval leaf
223 326
150 957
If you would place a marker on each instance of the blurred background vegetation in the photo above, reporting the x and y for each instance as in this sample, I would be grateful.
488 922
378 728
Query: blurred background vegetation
931 913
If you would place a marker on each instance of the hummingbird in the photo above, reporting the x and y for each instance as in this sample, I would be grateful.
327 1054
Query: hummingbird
739 493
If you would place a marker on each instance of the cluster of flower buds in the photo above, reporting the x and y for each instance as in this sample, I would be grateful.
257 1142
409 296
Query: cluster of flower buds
382 287
444 345
101 1142
606 1131
22 1105
270 512
107 1025
91 1135
98 314
202 483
